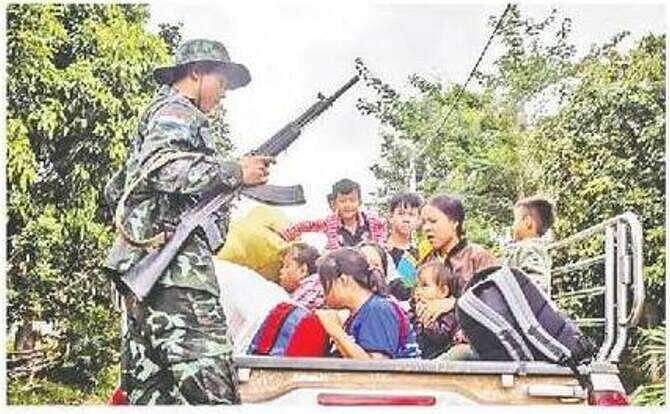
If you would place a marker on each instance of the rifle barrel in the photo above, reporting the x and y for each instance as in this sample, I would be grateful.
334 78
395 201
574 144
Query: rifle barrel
343 89
317 108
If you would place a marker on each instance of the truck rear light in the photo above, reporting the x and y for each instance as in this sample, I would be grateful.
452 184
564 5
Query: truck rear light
118 397
362 399
607 398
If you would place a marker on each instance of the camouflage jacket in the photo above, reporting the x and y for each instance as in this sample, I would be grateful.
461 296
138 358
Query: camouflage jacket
173 161
532 256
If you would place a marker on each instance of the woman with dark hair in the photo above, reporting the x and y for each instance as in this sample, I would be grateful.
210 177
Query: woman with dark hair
376 327
443 218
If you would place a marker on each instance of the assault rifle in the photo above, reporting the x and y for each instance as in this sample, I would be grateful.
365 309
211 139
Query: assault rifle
144 274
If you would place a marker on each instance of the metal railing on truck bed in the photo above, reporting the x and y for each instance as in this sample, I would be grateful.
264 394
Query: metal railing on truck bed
616 245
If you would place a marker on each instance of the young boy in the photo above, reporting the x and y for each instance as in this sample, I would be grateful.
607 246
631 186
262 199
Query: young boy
348 225
298 275
533 217
403 220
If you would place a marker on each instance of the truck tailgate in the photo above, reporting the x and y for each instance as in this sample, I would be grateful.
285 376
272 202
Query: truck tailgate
302 380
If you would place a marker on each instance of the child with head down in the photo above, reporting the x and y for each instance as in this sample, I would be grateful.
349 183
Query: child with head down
298 275
348 225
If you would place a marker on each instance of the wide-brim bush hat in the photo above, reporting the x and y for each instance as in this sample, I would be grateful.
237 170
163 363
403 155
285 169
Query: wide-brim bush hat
199 50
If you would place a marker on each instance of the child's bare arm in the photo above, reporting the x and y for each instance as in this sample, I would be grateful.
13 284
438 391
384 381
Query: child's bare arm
350 349
344 343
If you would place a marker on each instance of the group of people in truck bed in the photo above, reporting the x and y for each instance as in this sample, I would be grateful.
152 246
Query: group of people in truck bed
374 293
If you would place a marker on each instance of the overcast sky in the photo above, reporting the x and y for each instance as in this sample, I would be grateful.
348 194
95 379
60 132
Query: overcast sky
295 50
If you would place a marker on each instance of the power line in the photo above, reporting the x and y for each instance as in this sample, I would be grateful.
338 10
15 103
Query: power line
472 72
415 154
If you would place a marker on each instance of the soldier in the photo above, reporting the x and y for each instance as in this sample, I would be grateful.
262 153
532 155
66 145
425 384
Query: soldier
176 348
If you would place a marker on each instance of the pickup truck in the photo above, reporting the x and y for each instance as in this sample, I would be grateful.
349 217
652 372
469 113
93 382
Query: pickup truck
332 382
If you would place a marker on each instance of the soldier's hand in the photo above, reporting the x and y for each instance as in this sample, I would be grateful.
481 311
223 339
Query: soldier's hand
255 169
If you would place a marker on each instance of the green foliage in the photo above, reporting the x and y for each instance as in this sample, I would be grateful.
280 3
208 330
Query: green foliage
536 55
49 392
171 34
78 75
221 131
477 148
652 394
587 133
605 149
650 359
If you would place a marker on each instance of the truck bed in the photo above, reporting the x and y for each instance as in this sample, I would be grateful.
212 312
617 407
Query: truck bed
301 380
323 381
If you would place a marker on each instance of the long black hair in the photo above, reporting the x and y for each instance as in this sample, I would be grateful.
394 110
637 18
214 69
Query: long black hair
351 262
452 207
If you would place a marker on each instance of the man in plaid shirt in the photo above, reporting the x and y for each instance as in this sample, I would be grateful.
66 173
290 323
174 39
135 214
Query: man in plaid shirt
348 225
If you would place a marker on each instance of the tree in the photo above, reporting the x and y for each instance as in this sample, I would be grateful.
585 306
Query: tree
605 150
475 146
78 75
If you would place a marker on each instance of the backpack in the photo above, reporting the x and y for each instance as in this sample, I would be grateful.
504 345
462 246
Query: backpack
292 331
507 317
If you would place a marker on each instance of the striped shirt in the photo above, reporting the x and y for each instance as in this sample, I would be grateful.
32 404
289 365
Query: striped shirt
309 292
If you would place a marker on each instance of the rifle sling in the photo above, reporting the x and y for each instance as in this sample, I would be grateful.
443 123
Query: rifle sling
159 161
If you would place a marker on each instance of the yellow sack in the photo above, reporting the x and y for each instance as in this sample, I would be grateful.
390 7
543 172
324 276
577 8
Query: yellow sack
253 241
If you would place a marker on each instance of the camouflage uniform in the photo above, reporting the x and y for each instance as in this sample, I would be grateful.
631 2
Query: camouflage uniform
532 256
176 348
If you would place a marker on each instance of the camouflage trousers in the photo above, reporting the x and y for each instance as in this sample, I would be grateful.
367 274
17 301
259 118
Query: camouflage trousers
177 350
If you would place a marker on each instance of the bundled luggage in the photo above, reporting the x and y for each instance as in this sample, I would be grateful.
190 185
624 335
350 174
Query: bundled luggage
253 241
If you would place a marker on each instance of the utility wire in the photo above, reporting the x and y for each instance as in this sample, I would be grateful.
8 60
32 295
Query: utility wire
472 72
415 154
